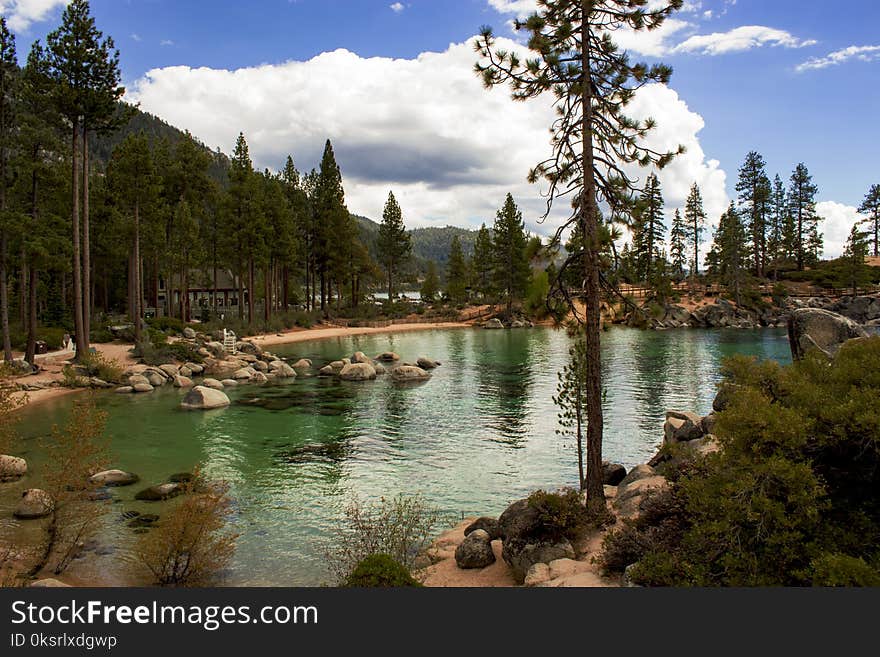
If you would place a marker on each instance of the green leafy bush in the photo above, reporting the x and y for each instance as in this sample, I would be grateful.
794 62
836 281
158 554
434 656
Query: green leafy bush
380 571
565 513
792 497
168 325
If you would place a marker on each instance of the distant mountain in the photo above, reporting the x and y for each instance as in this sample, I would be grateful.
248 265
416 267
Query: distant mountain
427 243
101 146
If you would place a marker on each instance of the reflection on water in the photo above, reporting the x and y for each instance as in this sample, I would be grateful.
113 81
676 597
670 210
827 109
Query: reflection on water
479 434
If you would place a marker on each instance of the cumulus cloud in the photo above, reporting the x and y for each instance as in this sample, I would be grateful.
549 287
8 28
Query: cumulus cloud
859 53
20 14
837 224
740 39
424 127
397 7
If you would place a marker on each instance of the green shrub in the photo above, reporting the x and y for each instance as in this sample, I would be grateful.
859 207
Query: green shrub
52 336
168 325
564 513
792 497
843 570
380 571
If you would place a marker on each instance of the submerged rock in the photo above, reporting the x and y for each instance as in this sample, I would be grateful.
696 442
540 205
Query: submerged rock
427 363
203 398
361 357
214 384
113 478
302 364
388 357
494 323
34 503
160 492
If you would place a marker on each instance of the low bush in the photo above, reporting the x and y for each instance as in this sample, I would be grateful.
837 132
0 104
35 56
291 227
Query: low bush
168 325
565 513
792 497
380 571
401 527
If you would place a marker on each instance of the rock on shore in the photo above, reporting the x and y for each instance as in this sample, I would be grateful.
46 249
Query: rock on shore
203 398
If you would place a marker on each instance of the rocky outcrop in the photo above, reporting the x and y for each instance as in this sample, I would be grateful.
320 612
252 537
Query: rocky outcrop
34 503
361 357
631 492
822 330
488 525
494 323
526 541
475 551
612 473
681 427
203 398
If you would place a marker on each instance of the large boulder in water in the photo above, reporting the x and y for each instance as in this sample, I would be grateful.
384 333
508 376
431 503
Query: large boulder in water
201 398
428 363
34 503
160 492
12 467
814 328
406 373
494 323
358 372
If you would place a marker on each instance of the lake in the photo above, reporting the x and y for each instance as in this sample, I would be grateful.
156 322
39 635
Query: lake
480 434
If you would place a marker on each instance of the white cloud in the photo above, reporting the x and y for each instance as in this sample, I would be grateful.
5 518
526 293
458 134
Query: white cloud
839 220
860 53
20 14
740 39
651 43
521 8
136 37
397 7
166 42
423 127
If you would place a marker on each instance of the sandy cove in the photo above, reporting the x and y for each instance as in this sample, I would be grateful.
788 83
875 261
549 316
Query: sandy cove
53 363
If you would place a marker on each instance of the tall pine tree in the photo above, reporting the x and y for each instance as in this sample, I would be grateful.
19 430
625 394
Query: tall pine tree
511 264
802 207
871 207
678 246
650 229
576 62
754 197
394 243
695 225
8 93
456 273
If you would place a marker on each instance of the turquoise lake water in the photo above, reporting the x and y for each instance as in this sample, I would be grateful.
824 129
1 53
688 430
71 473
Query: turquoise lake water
478 435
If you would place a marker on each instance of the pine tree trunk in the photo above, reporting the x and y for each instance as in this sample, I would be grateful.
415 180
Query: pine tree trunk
78 318
267 292
4 297
589 218
251 291
86 244
31 350
137 312
22 287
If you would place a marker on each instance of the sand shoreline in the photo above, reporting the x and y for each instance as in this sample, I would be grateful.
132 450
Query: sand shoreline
54 363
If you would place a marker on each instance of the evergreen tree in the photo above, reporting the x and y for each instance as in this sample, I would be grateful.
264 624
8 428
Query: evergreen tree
336 229
511 264
649 227
776 240
854 254
85 68
677 245
394 242
431 284
592 81
39 180
570 399
242 201
134 185
802 207
456 273
871 207
8 93
482 262
754 197
695 224
730 252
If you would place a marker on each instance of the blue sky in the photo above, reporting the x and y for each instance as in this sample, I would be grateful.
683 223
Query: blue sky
751 94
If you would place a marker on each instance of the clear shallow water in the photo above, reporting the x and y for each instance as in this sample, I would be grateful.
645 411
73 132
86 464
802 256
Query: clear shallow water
476 436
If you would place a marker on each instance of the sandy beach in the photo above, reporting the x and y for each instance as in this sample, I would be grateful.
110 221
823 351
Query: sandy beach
325 332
